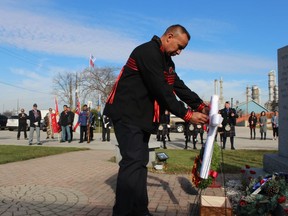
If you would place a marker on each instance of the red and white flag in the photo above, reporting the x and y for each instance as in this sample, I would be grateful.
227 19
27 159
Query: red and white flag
55 118
77 112
91 61
56 107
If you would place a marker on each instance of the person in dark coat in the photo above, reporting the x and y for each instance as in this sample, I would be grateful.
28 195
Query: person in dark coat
228 124
71 116
22 124
252 120
106 126
35 121
65 122
147 86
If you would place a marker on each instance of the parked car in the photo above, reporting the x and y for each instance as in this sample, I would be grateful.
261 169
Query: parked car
12 123
177 124
3 122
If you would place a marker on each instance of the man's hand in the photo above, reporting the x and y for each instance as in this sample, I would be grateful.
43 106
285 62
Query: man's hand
199 118
206 110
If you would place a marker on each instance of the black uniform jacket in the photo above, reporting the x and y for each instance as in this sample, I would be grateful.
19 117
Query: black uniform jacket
227 118
34 119
147 80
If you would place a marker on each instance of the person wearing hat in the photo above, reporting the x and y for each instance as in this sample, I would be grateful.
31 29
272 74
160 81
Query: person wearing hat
228 124
35 120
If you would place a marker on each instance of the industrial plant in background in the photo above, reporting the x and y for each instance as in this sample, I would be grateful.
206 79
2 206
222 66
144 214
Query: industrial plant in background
253 97
272 103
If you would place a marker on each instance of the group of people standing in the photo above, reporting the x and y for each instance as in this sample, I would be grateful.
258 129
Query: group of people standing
262 122
225 130
65 124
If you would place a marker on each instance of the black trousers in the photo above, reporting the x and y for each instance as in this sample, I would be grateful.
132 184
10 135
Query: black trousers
105 134
131 189
252 132
83 131
20 128
275 132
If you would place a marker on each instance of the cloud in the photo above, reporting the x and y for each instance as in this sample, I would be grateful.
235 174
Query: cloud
53 34
224 63
56 35
59 36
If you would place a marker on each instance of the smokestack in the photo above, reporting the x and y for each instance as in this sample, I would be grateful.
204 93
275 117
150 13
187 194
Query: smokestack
216 87
255 93
221 99
271 84
275 93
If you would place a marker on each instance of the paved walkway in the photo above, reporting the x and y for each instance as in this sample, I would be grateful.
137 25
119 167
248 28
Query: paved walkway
83 183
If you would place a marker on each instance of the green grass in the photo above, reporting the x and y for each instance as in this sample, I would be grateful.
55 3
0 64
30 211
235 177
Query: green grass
13 153
181 161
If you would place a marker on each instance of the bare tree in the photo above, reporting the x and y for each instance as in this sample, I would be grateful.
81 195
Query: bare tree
97 81
90 83
64 86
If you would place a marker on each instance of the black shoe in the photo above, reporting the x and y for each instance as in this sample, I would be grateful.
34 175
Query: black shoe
108 140
81 142
30 143
61 141
232 148
39 143
223 148
194 147
47 137
69 141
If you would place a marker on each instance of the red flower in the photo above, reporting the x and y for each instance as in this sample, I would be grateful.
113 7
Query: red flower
252 172
262 181
281 199
247 166
242 203
242 171
286 210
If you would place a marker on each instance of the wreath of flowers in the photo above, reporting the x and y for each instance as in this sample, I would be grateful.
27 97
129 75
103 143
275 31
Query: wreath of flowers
263 195
215 164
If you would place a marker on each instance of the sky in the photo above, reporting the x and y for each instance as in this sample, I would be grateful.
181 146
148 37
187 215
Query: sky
236 41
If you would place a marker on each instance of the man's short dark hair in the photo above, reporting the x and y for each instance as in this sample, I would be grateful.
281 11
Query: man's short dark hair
178 27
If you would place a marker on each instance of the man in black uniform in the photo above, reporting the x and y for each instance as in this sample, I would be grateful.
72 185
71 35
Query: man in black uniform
143 90
106 126
22 123
228 124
